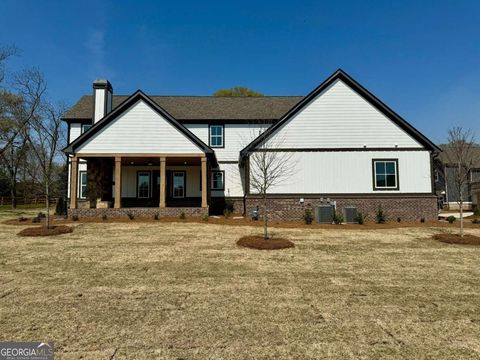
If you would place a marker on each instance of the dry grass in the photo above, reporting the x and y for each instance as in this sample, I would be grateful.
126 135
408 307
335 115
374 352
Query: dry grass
170 290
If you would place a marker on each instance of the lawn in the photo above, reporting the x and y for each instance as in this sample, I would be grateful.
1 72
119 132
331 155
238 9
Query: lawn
185 290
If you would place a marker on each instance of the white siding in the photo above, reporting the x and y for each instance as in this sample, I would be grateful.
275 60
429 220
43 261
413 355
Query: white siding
234 179
339 117
82 166
236 137
75 131
350 172
139 130
99 104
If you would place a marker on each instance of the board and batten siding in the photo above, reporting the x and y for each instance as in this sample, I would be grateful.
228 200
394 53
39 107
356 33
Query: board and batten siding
340 118
236 137
350 172
139 130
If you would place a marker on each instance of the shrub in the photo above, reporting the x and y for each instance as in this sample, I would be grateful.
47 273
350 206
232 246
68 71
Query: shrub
60 208
205 217
337 218
227 213
75 217
41 215
422 220
360 218
476 211
104 217
380 216
399 219
35 220
476 221
130 215
156 216
229 205
308 216
451 219
182 216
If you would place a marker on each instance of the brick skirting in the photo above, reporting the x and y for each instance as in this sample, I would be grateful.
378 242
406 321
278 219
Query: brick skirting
139 212
407 209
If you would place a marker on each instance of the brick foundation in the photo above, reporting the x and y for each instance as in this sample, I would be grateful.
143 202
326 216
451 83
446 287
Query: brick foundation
409 208
140 212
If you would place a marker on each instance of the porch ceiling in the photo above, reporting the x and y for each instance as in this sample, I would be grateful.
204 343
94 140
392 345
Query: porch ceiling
155 161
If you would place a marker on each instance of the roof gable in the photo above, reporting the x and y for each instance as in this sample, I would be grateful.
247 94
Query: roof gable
121 125
342 113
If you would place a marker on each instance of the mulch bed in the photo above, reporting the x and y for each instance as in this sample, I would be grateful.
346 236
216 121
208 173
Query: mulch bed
44 231
19 221
259 243
457 239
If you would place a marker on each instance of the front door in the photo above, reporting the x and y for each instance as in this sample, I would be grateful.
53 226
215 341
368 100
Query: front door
178 184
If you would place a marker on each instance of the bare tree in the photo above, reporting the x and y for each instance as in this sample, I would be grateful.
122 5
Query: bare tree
269 167
460 155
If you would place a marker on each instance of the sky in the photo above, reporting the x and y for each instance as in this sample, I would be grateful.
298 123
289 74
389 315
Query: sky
422 58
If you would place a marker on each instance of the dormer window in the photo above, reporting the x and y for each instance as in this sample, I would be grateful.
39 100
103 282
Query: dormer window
216 139
85 127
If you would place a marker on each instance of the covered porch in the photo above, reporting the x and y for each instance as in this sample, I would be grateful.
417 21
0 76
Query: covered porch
139 181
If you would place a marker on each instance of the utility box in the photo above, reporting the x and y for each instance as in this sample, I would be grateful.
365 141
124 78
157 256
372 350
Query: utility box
324 213
350 214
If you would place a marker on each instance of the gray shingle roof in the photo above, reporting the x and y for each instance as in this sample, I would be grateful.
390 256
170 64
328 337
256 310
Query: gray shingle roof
446 155
203 107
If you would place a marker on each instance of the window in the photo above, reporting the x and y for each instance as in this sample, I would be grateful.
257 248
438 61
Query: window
85 127
385 174
143 184
178 182
83 184
216 135
218 180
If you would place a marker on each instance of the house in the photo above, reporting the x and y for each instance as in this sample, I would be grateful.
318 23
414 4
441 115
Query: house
445 187
173 154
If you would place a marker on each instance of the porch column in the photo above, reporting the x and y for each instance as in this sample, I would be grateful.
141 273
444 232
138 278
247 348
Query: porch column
73 182
162 181
118 182
204 183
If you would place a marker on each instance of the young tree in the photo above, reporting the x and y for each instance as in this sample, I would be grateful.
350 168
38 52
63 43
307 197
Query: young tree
46 133
268 168
460 155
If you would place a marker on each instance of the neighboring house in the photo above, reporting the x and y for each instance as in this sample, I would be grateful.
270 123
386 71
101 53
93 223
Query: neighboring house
173 154
445 186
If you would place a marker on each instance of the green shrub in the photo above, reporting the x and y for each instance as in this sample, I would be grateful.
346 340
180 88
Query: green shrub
380 216
156 216
308 216
422 220
75 217
60 208
360 218
182 216
130 215
451 219
104 217
337 218
205 217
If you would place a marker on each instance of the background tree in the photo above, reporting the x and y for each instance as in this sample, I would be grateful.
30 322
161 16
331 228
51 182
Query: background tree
460 155
237 91
268 168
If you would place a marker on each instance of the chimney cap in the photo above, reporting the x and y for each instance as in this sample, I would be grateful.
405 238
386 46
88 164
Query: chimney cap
102 84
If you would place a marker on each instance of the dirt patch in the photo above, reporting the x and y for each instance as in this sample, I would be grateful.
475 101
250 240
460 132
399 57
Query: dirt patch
258 242
44 231
19 221
467 239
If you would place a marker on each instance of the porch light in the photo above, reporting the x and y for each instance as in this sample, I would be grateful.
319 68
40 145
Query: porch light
184 163
131 162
